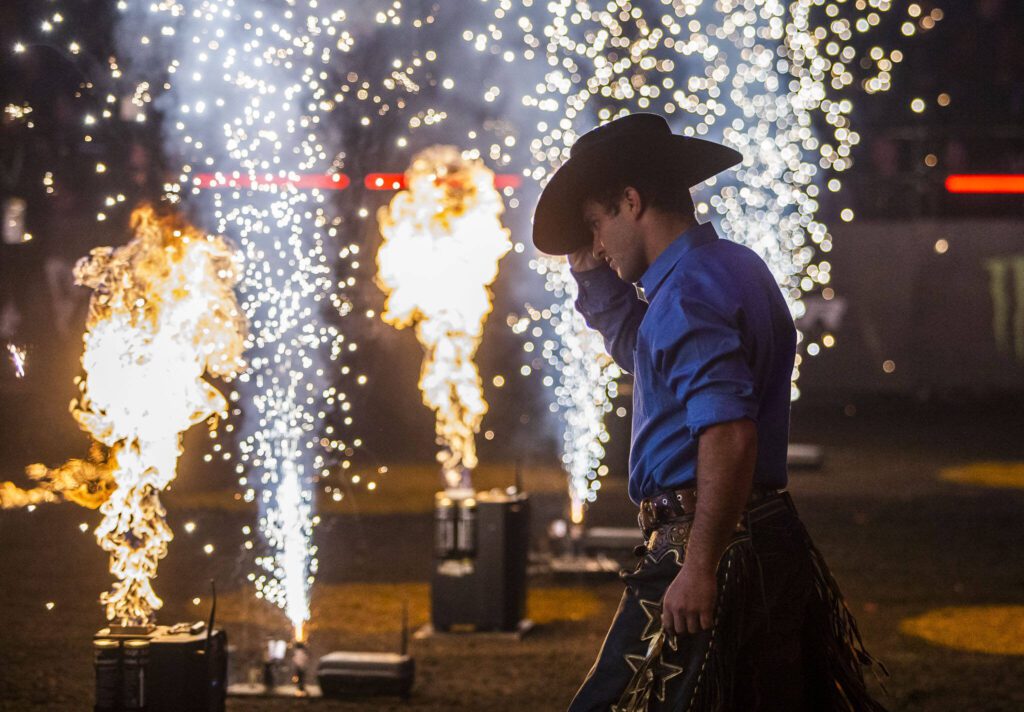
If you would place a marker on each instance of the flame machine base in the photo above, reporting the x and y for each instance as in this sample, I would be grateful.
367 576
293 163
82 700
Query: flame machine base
160 668
805 456
588 552
521 629
481 551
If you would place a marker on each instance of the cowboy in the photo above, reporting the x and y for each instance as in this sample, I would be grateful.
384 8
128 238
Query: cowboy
731 607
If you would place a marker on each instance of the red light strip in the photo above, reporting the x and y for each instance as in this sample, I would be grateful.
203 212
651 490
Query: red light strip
396 181
384 181
305 181
1001 184
337 181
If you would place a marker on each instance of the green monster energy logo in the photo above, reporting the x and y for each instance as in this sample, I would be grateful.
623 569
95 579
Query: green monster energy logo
1001 271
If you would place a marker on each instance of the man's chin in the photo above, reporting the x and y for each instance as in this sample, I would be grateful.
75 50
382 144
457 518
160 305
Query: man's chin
625 276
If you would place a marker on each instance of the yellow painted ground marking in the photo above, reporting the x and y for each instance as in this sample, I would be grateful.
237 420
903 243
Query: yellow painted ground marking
998 630
987 474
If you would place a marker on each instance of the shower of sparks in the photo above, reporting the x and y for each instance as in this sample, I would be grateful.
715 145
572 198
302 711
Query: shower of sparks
243 86
442 241
163 313
245 89
17 354
753 74
586 385
16 112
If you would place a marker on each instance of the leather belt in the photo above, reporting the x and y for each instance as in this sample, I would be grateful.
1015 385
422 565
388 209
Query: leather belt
675 504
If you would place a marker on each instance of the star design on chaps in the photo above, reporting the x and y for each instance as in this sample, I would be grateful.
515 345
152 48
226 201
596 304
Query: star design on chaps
660 676
652 609
665 672
635 661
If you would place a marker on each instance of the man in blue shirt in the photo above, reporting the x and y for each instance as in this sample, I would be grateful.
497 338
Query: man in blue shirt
731 607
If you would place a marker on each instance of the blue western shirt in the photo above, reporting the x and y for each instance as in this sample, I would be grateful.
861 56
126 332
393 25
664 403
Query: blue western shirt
714 342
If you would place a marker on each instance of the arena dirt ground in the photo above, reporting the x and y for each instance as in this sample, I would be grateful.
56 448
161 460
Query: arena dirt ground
918 509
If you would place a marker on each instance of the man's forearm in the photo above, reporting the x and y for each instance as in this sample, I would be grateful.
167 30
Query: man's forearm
611 307
726 455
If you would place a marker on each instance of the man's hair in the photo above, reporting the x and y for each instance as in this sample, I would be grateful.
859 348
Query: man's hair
657 182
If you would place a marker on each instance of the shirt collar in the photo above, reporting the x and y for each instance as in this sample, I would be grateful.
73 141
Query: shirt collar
659 270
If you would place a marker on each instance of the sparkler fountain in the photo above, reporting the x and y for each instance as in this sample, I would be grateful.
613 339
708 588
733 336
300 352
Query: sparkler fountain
442 241
586 383
245 89
750 73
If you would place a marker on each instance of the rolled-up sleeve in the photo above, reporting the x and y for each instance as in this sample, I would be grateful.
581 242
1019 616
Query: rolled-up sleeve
611 307
699 352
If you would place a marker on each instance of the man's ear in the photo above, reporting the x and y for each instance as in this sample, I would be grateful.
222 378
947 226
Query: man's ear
633 203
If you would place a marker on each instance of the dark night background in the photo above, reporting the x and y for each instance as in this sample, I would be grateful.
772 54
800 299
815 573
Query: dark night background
896 190
928 366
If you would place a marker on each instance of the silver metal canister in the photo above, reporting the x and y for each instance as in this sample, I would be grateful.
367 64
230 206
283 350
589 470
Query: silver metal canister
107 662
135 658
444 527
465 538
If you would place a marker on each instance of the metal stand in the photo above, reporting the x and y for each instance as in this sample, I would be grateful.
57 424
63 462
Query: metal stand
805 457
521 630
249 689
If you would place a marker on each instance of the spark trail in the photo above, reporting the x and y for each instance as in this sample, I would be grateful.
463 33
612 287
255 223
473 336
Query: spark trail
245 89
762 76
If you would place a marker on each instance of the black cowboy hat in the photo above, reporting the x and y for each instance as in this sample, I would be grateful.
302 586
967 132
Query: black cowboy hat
637 139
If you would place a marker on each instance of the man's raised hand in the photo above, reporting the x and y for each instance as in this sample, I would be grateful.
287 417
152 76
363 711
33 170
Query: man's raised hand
583 259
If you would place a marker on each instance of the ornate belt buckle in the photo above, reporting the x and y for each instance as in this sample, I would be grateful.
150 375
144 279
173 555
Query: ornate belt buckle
678 535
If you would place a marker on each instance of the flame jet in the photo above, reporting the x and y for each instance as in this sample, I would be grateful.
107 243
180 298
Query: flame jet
442 241
163 313
85 482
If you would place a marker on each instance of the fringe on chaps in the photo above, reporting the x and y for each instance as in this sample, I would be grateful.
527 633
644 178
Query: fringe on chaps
832 644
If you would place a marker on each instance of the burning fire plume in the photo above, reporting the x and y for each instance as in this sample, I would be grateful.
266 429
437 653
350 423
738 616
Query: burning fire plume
442 240
84 482
163 313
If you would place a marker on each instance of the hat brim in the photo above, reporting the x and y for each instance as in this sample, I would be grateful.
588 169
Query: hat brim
558 227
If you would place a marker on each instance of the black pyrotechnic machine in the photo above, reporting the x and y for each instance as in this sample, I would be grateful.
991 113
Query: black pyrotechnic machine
161 668
480 556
